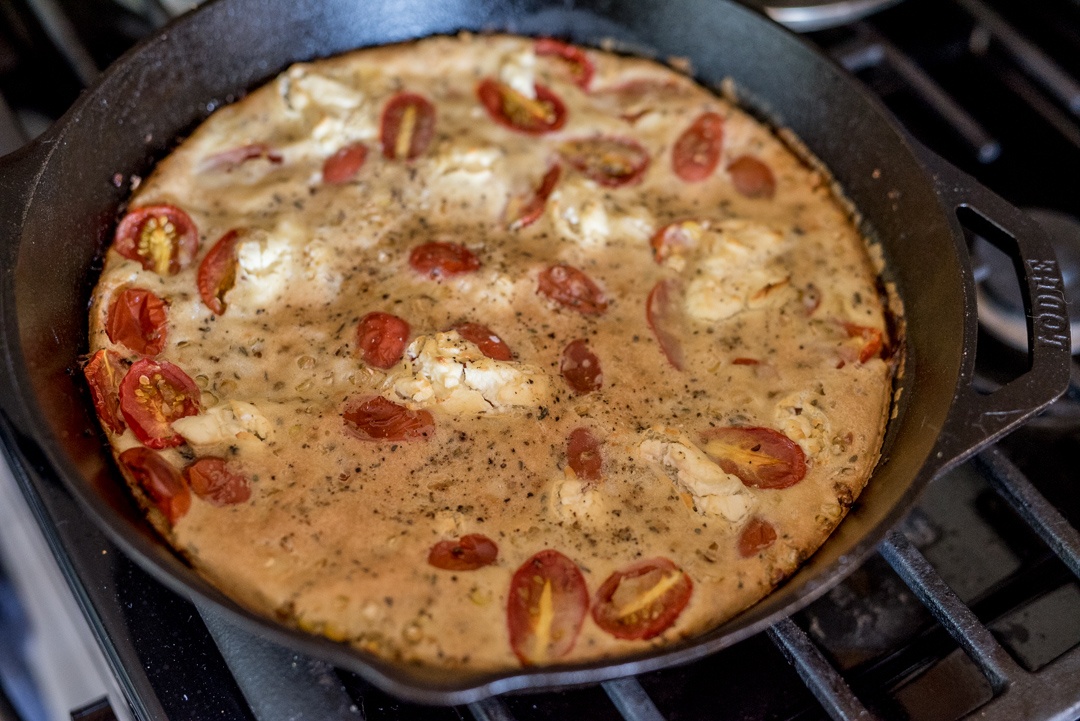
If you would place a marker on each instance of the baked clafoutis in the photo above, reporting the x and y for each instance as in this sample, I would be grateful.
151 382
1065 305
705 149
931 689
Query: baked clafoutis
485 351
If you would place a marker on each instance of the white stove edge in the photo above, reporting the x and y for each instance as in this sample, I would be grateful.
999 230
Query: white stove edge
68 666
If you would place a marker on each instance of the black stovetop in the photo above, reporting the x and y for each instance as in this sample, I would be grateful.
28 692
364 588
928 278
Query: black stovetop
175 661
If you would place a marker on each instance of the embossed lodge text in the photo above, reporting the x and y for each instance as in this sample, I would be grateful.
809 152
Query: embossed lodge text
1049 310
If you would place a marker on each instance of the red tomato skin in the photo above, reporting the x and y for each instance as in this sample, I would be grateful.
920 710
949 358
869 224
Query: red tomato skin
159 480
234 157
103 374
673 239
788 468
390 126
468 553
696 152
568 286
661 614
494 96
137 319
531 211
570 600
382 338
758 535
184 237
752 177
150 408
217 272
583 452
582 67
489 344
607 160
438 260
212 480
342 166
580 367
872 340
634 99
745 361
374 418
660 317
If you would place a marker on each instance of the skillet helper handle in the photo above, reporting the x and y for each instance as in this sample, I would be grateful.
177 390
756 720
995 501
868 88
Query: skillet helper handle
976 419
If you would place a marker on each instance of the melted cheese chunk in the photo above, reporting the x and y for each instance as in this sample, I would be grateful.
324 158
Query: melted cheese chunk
449 372
302 88
803 422
573 499
734 266
225 423
579 215
265 266
713 491
518 70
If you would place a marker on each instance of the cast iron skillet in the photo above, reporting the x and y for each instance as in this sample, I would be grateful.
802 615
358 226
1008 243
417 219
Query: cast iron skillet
59 200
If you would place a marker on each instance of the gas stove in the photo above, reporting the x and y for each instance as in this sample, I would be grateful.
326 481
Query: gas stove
971 607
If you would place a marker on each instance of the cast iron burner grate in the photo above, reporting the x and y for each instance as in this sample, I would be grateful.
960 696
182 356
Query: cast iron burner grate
926 630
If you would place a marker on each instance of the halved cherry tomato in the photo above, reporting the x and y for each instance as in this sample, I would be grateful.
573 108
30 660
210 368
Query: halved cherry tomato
520 214
756 537
674 239
158 479
468 553
217 272
442 260
546 607
608 160
489 344
153 394
581 368
661 316
745 361
137 320
696 153
213 480
342 166
751 177
583 451
374 418
103 373
642 600
407 127
568 286
534 116
580 66
872 340
382 338
233 157
760 457
161 237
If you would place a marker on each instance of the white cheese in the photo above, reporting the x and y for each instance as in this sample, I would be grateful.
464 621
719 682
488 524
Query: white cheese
265 265
518 70
302 88
575 500
447 371
734 266
224 423
805 423
714 492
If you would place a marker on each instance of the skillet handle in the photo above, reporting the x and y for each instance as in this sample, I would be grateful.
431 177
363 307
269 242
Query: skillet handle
977 419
